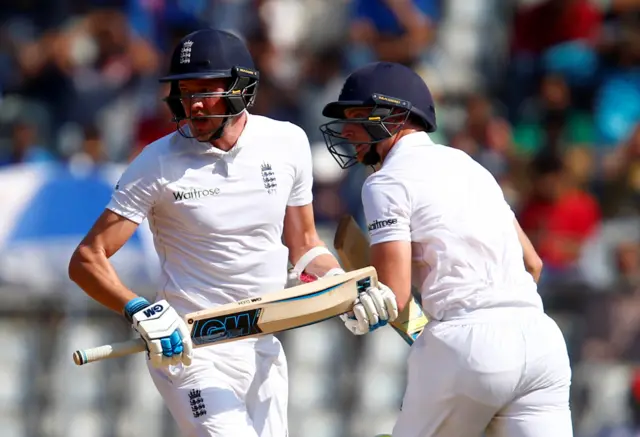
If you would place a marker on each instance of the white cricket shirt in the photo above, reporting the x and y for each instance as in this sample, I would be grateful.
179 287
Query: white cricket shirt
465 249
217 217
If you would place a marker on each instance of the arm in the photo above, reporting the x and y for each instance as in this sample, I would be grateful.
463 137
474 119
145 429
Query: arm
90 267
387 208
392 261
299 232
532 261
163 330
300 236
132 199
418 32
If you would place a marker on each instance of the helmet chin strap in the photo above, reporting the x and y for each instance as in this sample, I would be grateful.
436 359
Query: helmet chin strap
217 134
372 157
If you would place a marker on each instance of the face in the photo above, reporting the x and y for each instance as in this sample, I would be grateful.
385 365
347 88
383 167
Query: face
355 132
201 128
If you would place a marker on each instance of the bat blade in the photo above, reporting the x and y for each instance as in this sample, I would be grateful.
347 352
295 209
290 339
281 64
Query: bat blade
352 246
283 310
287 309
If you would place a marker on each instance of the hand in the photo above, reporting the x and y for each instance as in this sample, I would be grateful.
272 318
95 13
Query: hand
374 307
163 330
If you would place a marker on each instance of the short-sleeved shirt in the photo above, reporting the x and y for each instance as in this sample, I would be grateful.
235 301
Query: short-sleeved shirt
217 217
466 254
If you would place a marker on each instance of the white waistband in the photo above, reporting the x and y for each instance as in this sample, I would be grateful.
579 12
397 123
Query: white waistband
465 315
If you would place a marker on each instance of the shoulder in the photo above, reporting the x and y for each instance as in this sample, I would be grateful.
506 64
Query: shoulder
152 155
284 133
160 147
383 180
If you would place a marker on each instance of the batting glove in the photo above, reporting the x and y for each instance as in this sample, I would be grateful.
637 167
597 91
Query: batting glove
163 330
374 307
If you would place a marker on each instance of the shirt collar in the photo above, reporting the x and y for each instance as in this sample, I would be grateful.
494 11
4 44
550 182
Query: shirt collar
206 148
412 140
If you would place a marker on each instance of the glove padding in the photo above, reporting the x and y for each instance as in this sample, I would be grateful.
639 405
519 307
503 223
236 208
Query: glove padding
165 333
374 307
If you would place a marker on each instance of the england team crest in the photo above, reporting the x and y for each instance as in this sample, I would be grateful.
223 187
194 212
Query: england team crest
268 178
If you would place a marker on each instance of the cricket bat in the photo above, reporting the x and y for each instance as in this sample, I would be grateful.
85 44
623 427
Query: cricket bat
352 246
286 309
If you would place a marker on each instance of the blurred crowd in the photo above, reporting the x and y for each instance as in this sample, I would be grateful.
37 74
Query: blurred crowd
543 93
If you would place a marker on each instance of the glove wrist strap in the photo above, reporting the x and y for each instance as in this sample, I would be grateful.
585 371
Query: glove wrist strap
133 306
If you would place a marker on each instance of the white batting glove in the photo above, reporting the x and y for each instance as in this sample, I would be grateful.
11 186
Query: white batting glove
374 307
163 330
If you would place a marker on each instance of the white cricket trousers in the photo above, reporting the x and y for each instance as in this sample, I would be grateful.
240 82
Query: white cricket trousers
233 389
504 373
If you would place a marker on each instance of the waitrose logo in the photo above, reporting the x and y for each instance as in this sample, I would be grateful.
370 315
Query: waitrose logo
195 193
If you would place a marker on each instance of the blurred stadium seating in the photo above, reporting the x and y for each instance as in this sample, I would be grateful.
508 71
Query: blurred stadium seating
543 93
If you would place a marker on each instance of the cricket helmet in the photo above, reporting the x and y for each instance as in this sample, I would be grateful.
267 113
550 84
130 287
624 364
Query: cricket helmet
395 93
212 54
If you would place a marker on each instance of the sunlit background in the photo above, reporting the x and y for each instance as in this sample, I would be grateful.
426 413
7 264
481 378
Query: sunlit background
545 94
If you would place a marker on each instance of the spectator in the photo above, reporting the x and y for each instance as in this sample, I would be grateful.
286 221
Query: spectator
485 136
613 332
155 124
559 216
617 102
392 30
631 429
550 119
24 146
562 21
621 178
92 149
556 35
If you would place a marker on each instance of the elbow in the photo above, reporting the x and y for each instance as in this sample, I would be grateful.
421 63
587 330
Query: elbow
77 265
538 266
401 305
535 268
403 299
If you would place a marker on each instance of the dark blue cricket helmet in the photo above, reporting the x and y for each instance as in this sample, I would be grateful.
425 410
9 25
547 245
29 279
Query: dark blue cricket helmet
395 93
212 54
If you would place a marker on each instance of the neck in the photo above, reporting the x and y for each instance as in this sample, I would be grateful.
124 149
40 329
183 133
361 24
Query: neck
394 139
232 132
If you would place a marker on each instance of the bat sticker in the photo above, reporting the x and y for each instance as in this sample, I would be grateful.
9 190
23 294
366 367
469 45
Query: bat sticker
214 329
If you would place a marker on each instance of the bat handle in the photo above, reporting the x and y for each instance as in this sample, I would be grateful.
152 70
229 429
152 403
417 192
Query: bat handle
115 350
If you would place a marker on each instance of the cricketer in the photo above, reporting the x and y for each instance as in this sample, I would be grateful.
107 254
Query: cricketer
221 195
490 361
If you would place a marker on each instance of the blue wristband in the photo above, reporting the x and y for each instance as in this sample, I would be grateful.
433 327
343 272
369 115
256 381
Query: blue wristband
133 306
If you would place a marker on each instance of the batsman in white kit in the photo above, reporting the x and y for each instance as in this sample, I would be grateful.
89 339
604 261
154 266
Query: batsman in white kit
229 200
490 362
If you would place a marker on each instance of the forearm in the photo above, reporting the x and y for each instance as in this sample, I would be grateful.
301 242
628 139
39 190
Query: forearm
400 287
532 262
91 270
392 261
318 265
307 252
398 50
322 264
418 33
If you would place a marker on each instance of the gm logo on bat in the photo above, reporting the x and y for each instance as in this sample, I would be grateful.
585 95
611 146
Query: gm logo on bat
151 311
215 329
